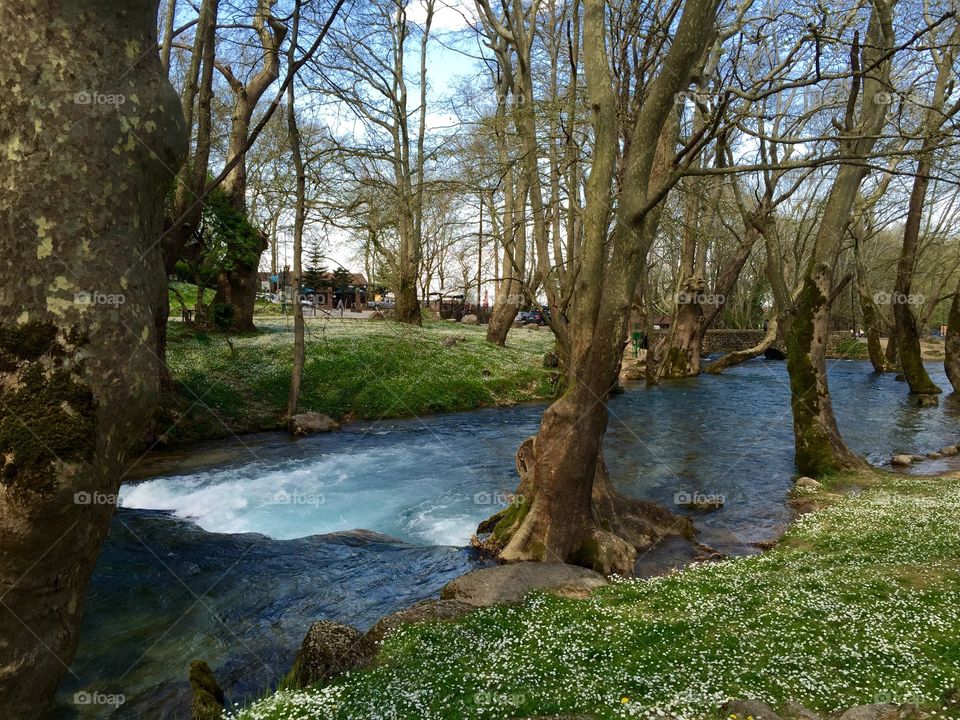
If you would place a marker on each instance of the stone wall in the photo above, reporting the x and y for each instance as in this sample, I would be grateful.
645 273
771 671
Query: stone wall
723 341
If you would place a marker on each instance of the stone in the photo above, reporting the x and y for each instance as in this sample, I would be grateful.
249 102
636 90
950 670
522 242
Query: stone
950 450
508 584
469 320
795 711
901 460
808 483
207 697
743 709
448 342
876 711
423 611
329 649
701 503
926 400
934 455
312 422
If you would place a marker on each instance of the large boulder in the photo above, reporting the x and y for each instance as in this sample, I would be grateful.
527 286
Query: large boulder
328 650
507 584
876 711
423 611
752 709
795 711
207 697
312 422
469 320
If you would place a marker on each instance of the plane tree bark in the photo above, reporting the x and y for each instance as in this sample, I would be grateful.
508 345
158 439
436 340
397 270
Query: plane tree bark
237 285
569 511
94 135
819 448
908 333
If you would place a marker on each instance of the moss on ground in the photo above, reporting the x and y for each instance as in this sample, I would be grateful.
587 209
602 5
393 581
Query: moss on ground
859 603
354 370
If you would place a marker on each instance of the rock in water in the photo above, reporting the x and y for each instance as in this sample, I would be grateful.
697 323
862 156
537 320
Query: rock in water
328 650
469 320
207 701
506 584
901 460
312 422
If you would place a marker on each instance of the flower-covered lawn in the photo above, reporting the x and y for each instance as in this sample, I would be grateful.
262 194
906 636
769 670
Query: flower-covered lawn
859 603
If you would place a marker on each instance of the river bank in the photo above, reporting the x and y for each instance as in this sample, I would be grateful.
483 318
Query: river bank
229 552
858 604
355 370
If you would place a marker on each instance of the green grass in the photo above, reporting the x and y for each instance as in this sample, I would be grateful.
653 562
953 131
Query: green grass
851 349
860 603
187 291
354 370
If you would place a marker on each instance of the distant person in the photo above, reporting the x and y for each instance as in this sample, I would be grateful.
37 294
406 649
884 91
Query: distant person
340 306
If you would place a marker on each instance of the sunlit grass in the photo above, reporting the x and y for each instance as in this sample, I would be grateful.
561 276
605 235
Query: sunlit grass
354 370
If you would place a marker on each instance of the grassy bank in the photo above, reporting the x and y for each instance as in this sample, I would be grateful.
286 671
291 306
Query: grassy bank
355 370
860 603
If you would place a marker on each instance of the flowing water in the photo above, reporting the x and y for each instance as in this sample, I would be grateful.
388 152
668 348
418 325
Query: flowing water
229 552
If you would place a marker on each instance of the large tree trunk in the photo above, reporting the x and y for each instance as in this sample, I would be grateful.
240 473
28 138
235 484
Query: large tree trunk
819 448
566 513
951 343
908 335
868 307
87 162
237 286
296 152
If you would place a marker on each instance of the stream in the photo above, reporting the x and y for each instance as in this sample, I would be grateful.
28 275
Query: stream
229 551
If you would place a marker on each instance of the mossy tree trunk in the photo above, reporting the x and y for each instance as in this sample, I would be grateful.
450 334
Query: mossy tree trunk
94 135
871 321
568 512
237 286
819 448
951 344
908 334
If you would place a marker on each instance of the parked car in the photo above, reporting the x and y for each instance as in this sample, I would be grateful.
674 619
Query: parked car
535 317
382 304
